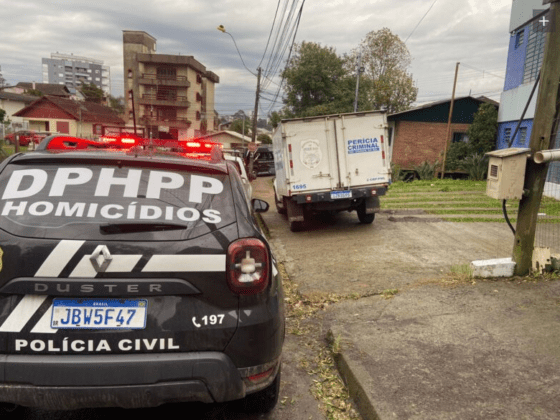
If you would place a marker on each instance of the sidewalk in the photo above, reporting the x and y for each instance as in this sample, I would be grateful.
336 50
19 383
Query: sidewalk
441 350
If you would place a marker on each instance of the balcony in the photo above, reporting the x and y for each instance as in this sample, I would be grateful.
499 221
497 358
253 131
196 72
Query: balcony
154 79
178 122
162 100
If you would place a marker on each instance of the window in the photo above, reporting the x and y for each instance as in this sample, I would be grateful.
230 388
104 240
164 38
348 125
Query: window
519 38
169 73
129 73
534 55
507 135
460 137
522 135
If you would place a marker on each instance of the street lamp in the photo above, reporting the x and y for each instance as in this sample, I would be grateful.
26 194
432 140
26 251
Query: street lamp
221 28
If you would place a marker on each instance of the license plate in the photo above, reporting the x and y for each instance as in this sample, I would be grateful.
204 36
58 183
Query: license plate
341 194
104 314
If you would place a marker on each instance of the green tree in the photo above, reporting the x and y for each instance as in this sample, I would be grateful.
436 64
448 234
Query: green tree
92 93
117 104
275 118
264 139
385 80
34 92
2 115
314 82
241 126
482 132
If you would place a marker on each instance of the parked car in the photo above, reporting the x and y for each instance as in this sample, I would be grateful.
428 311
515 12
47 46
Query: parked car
134 278
26 136
263 163
242 170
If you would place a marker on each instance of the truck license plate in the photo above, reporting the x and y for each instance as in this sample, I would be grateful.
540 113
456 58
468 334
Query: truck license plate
340 194
99 314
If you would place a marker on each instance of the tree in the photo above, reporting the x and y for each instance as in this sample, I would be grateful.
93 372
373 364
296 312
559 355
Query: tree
241 126
92 93
275 118
34 92
482 132
117 104
264 139
2 115
385 60
314 82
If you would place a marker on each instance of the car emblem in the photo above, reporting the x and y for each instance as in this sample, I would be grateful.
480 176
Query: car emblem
101 258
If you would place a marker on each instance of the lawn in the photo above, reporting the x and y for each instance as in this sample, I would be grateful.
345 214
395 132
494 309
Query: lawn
459 200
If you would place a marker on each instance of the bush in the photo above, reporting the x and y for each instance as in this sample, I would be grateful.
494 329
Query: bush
455 155
476 165
426 170
396 173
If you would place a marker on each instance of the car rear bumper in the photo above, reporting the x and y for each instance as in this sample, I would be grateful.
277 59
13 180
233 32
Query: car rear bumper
128 381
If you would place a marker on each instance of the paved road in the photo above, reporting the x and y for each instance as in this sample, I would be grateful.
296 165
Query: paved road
340 255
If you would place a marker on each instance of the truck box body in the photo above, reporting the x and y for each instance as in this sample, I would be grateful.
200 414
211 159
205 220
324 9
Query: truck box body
331 163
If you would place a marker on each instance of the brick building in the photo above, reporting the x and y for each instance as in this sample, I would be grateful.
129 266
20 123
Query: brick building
173 95
419 134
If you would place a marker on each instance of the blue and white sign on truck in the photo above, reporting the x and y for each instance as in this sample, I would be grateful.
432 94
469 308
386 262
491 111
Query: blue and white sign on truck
331 163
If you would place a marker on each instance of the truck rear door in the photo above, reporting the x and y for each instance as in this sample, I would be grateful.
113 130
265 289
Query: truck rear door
312 161
362 140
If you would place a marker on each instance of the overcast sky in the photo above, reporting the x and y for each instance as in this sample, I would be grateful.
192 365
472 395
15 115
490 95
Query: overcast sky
473 32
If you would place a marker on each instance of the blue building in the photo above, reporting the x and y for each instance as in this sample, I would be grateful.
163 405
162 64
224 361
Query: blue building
525 56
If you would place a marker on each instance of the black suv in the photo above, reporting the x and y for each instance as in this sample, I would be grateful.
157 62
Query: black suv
133 278
263 163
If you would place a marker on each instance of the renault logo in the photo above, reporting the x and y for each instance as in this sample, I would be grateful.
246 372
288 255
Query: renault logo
101 258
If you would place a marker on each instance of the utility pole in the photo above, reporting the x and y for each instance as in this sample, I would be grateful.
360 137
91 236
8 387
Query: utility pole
545 124
358 71
448 135
255 113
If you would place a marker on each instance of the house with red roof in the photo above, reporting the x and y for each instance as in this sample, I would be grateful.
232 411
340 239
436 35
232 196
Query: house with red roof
66 116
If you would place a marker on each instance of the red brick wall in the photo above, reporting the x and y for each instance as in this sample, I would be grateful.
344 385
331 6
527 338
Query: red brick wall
416 142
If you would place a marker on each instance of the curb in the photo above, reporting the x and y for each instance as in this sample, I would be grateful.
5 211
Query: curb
354 377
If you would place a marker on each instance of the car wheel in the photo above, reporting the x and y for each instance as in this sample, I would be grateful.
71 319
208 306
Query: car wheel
363 217
10 411
263 401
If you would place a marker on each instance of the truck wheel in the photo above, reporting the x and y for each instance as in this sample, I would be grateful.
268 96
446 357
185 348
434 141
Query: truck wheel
365 218
296 226
280 206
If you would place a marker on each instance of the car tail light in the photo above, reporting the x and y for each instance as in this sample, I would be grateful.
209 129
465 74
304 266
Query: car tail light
248 266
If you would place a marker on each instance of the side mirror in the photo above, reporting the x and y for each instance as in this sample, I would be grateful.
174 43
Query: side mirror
259 206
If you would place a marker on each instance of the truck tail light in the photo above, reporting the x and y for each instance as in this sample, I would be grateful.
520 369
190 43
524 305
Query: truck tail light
248 266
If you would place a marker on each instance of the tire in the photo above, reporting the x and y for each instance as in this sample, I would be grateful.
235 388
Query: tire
365 218
264 400
280 207
296 226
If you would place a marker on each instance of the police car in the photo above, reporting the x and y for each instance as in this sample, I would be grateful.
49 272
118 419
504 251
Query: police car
133 277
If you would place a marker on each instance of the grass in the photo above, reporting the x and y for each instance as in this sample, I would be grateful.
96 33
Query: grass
457 200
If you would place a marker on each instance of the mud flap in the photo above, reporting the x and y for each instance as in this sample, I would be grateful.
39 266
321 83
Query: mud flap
295 211
372 205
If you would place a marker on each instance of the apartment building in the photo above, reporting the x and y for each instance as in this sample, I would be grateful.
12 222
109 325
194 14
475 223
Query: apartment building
72 71
172 96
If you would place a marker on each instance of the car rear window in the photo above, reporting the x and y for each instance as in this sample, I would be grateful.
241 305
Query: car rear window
56 201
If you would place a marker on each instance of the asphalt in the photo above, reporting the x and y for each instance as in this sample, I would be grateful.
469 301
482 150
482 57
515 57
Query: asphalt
448 348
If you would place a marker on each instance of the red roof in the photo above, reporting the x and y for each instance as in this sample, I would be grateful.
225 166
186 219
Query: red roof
78 110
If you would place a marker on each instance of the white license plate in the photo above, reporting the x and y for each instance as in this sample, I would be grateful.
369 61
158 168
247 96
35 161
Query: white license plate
99 314
341 194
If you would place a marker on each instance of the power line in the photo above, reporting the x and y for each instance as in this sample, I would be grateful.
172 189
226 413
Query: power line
420 20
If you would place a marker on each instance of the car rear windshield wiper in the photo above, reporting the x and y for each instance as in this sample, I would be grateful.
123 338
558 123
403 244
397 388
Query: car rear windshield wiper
114 228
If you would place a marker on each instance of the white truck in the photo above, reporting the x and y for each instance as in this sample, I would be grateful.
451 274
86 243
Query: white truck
331 163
